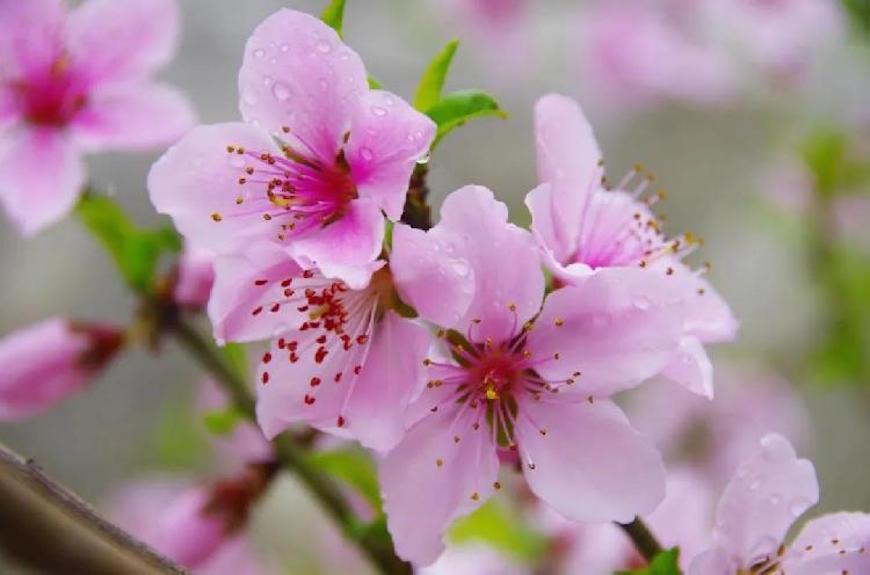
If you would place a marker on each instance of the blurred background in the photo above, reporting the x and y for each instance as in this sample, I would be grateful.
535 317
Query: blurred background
736 127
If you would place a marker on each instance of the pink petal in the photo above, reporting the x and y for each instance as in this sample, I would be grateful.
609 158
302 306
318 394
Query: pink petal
248 282
132 117
544 227
195 278
685 515
440 286
41 176
617 328
831 545
568 157
31 35
766 495
474 234
186 533
712 562
393 370
421 497
347 248
585 460
708 317
387 137
297 73
691 368
196 182
113 41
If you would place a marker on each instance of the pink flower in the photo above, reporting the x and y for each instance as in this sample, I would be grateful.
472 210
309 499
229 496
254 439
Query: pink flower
79 82
585 229
43 364
515 376
318 157
638 52
767 494
341 359
195 278
474 559
171 516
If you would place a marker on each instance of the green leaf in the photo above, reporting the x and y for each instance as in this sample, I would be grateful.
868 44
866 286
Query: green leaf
824 152
432 83
457 108
665 563
222 421
136 251
496 525
178 441
859 14
374 84
333 15
354 467
237 356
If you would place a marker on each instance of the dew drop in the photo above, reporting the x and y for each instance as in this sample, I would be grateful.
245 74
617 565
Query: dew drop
285 47
259 53
267 81
281 91
642 303
379 111
424 159
249 98
756 483
459 267
798 506
366 154
324 47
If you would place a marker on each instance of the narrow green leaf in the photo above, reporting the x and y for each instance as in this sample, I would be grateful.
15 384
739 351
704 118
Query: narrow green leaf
374 84
237 356
457 108
222 421
354 467
665 563
135 251
432 83
333 15
497 526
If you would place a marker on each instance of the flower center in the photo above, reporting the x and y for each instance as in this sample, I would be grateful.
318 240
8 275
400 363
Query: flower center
300 191
50 97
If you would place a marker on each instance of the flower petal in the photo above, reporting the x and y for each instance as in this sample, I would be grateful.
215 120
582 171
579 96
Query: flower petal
248 282
132 117
31 35
617 328
440 286
708 317
712 562
831 545
586 461
568 158
112 41
297 73
428 480
691 368
763 499
347 248
196 182
387 137
41 176
391 374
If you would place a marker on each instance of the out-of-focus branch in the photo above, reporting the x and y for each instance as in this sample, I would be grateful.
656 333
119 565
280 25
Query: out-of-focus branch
417 213
644 541
49 528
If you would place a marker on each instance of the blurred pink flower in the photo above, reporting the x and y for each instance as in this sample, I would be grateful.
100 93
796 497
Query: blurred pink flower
317 159
715 436
788 186
77 82
245 443
195 278
639 51
43 364
169 515
584 230
764 498
341 359
517 379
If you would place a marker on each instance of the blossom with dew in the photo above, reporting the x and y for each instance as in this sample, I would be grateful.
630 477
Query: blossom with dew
74 82
512 375
317 161
766 495
341 359
586 229
45 363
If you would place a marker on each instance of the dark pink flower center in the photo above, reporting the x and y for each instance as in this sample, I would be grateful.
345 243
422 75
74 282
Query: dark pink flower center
52 96
296 189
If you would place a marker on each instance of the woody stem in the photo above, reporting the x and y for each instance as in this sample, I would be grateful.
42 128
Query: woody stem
644 540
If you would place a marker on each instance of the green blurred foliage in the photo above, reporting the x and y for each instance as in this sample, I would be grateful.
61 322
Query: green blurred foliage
500 527
353 467
859 14
665 563
333 15
178 442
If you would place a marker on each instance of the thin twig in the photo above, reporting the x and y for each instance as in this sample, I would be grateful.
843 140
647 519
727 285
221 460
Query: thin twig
644 541
48 527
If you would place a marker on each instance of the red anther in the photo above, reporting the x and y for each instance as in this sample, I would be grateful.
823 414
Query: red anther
265 377
308 399
315 381
260 282
257 310
267 357
340 421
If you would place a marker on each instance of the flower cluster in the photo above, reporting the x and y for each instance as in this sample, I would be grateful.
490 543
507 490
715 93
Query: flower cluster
442 349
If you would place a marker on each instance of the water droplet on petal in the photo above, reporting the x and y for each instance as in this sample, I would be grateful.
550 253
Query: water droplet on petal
424 159
267 81
259 53
756 483
281 91
642 303
379 111
324 47
366 154
285 47
798 506
459 267
249 98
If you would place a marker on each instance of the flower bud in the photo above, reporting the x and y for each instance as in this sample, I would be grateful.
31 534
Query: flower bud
43 364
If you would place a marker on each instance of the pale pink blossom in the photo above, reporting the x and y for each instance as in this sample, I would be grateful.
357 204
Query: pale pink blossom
316 161
74 82
474 559
767 494
585 229
172 516
639 51
341 359
195 278
514 376
45 363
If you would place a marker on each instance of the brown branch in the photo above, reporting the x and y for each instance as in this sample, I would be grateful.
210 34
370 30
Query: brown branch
48 527
644 541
